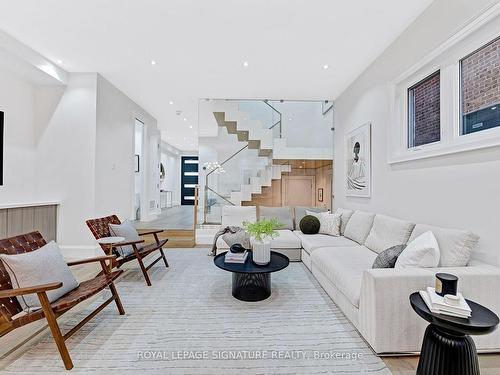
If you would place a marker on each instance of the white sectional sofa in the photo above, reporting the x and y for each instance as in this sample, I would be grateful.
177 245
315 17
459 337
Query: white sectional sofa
376 301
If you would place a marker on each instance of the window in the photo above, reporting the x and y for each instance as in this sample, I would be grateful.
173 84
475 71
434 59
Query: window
424 111
480 89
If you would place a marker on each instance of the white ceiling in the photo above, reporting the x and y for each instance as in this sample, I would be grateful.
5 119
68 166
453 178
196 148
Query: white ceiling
200 47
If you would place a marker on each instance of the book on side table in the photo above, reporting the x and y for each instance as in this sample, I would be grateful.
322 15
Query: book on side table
437 304
236 257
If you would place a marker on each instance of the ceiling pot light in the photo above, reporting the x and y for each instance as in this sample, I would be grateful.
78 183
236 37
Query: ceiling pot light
170 102
245 64
184 119
59 62
325 66
153 62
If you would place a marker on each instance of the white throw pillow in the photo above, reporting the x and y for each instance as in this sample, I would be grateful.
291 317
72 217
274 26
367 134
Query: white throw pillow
329 223
422 252
42 266
127 231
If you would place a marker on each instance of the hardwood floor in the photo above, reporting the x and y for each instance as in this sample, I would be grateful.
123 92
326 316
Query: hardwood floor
489 364
177 238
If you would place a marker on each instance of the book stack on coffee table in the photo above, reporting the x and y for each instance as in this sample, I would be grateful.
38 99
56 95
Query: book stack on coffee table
236 257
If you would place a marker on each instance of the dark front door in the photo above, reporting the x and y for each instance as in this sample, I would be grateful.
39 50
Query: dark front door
189 179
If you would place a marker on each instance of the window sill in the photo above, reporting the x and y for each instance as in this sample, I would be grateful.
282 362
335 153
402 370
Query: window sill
462 144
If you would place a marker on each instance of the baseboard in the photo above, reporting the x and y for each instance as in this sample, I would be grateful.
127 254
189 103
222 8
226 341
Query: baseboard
73 252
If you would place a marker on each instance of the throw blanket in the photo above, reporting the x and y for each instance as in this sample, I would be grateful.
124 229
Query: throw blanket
231 235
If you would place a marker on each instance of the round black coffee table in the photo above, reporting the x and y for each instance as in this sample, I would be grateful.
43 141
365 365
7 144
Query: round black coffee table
252 282
447 347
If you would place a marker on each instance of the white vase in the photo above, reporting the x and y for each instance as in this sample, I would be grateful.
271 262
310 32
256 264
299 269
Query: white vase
261 252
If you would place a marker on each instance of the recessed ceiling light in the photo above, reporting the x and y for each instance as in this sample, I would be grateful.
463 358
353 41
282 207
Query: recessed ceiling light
190 126
290 119
245 64
59 62
170 102
153 62
184 119
325 66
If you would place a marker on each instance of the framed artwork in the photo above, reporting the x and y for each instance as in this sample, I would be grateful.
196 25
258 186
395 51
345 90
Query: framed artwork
326 105
320 195
358 162
137 164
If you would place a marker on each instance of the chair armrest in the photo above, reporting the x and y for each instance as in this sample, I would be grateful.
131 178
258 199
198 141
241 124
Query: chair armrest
7 293
385 310
151 232
91 260
126 243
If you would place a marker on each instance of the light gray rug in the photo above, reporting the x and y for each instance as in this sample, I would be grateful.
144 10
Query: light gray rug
191 324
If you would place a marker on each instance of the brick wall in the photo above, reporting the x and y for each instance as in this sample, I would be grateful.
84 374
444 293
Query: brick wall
481 78
426 111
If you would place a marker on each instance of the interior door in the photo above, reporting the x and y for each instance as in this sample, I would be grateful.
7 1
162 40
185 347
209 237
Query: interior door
298 190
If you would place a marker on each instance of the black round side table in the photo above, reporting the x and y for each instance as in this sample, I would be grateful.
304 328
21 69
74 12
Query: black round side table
447 347
252 282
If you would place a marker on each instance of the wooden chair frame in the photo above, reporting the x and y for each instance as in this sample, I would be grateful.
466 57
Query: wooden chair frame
51 311
100 228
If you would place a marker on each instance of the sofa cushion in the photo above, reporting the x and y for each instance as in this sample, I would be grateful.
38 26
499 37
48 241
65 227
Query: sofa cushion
387 232
300 212
455 245
283 214
345 215
359 226
344 267
311 242
236 215
286 240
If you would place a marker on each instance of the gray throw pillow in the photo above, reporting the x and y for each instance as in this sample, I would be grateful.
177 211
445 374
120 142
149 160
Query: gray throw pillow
127 231
43 266
241 237
388 257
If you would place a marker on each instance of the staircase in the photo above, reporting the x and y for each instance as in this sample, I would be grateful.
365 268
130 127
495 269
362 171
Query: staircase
257 138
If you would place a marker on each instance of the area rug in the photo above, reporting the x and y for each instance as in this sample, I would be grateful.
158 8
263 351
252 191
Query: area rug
189 323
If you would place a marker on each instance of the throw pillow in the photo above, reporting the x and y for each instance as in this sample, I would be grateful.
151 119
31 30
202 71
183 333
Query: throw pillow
42 266
239 237
388 257
309 224
423 252
329 223
127 231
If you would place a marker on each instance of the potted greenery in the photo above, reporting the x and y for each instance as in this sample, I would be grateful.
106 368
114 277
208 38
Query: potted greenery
262 232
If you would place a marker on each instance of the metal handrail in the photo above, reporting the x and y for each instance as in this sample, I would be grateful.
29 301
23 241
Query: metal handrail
278 112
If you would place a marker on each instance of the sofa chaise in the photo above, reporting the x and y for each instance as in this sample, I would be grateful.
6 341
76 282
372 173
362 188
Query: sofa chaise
376 300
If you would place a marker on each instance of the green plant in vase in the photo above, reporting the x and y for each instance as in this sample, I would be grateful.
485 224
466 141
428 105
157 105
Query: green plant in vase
262 232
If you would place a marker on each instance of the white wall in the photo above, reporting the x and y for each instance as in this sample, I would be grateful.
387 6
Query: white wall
454 191
65 155
16 101
115 149
172 181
